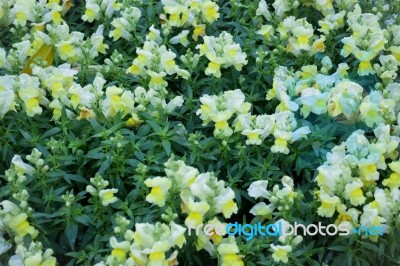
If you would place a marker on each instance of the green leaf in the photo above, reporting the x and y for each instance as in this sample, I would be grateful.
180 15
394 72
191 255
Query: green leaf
105 165
338 248
167 146
76 178
370 246
84 219
71 232
26 135
51 132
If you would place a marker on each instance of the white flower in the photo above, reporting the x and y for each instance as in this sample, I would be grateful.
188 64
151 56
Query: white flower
280 253
262 209
174 103
262 10
258 189
21 167
107 196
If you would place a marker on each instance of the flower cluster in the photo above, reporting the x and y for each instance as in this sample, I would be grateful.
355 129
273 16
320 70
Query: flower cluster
125 24
104 104
203 197
149 244
15 218
70 46
154 62
257 128
104 9
48 41
33 91
366 41
352 183
222 52
282 250
281 200
333 94
55 88
219 109
97 189
201 194
20 12
196 13
300 34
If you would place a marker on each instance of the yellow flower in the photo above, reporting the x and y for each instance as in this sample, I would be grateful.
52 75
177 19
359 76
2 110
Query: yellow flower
157 80
303 36
394 180
395 50
365 68
281 142
118 253
354 193
116 34
229 254
21 167
91 12
56 17
368 171
33 260
342 70
21 226
214 69
49 262
107 196
196 213
157 259
21 18
280 253
253 136
30 94
134 121
177 237
159 191
178 15
57 107
328 204
134 69
66 50
138 258
262 209
318 45
225 203
85 113
221 125
199 30
117 102
266 31
120 249
210 11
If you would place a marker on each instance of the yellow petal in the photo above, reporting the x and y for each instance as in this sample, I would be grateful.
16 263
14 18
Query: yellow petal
46 52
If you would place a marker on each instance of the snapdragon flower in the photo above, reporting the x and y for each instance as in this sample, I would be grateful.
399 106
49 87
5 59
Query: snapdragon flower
155 62
100 9
366 41
198 192
229 253
360 199
195 13
152 242
222 52
125 24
